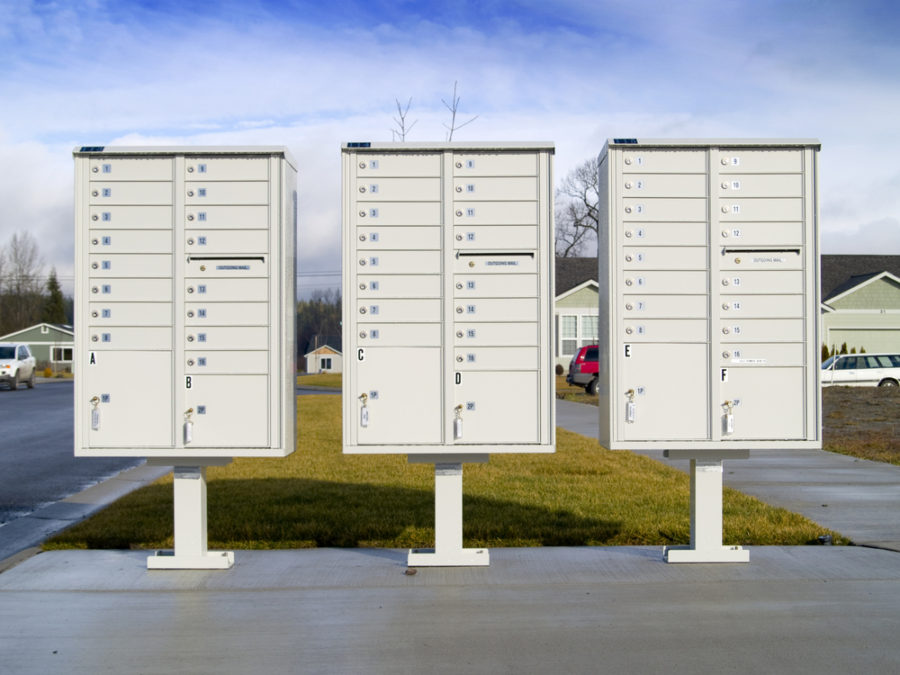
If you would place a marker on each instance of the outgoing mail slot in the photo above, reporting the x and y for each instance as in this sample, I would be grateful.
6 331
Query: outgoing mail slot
487 164
761 396
491 414
762 234
131 169
400 335
760 354
402 164
225 420
130 338
495 263
664 282
736 329
495 213
664 161
483 309
761 185
236 363
663 185
131 313
761 259
398 189
496 189
759 161
369 214
398 262
662 306
496 358
226 314
227 241
784 208
774 281
226 290
496 236
131 290
637 209
399 286
226 192
398 238
227 168
228 266
130 241
399 310
227 217
762 306
226 337
132 217
663 330
664 258
495 286
130 265
667 234
495 334
131 193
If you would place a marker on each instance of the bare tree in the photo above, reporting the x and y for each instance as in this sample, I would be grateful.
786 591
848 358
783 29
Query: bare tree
454 108
22 299
400 120
577 213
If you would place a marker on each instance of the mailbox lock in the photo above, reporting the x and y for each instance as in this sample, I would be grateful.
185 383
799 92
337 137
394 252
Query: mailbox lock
737 261
459 165
459 359
190 242
362 287
459 310
362 261
629 330
202 268
362 310
628 233
190 216
94 338
725 331
459 237
724 282
95 241
459 285
628 282
95 169
362 214
190 362
627 209
471 263
629 306
190 338
95 217
190 193
726 306
726 355
190 289
362 334
95 193
459 188
94 265
628 160
725 234
190 169
362 237
724 209
362 165
95 314
628 258
95 290
362 188
191 314
459 333
628 185
458 213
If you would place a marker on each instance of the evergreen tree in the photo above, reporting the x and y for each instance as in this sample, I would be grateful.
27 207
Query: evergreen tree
54 310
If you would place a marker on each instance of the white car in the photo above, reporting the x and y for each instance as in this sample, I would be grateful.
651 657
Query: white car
862 370
16 364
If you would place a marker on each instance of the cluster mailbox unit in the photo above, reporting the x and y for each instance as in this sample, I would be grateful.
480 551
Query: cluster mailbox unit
709 295
184 330
448 305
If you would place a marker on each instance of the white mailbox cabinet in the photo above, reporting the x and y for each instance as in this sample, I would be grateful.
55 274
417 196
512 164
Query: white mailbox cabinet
709 294
448 298
184 302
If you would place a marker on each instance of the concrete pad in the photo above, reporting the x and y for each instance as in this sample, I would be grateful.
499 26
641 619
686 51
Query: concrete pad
579 610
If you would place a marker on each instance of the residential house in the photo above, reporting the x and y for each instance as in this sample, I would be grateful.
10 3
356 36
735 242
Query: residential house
324 355
50 343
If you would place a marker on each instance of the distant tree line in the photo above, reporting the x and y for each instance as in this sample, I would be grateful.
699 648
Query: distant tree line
27 295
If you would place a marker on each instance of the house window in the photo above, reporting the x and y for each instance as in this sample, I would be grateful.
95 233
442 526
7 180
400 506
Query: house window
575 331
325 363
61 354
44 330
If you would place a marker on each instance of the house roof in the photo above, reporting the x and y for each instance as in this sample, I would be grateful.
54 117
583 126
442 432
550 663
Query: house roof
63 328
572 272
332 341
840 273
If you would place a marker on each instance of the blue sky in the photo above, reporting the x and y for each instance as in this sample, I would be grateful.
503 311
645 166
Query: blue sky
310 75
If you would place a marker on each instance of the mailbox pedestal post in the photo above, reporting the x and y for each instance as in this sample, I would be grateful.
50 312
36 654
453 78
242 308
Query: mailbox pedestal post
706 510
448 532
190 551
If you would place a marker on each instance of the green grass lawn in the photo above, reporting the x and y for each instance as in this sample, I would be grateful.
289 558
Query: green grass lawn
583 495
332 380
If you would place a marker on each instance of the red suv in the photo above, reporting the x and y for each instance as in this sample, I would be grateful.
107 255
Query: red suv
583 369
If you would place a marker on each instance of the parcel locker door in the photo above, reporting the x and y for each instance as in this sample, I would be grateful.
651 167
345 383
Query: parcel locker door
498 407
228 411
761 398
402 388
128 412
670 391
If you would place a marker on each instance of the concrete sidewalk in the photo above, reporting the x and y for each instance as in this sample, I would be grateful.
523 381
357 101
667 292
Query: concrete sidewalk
856 497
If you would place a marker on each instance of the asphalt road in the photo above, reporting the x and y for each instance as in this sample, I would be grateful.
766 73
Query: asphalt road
37 462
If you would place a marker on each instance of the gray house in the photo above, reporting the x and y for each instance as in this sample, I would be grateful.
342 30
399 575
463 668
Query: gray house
50 343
